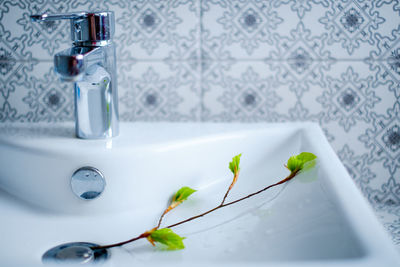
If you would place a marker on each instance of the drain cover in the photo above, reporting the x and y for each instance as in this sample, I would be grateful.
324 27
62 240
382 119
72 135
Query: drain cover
87 183
76 252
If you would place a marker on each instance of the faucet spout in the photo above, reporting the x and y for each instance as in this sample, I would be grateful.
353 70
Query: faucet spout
91 65
71 63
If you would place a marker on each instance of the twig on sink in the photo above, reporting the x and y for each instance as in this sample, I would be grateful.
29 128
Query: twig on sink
222 205
167 237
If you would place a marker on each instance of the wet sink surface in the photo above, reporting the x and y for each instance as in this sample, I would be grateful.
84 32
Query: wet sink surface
319 218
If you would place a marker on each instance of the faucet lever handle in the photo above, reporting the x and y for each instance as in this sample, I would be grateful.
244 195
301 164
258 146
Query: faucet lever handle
50 17
87 28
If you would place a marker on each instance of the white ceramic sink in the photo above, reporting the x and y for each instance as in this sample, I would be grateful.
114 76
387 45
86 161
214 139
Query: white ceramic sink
318 219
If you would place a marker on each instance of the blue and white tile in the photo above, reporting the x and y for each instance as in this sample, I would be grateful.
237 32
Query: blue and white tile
303 9
390 10
153 30
383 138
307 12
351 26
42 98
98 5
357 167
389 216
9 12
349 95
213 49
300 60
393 229
153 91
347 102
244 91
16 63
384 60
43 39
383 193
245 26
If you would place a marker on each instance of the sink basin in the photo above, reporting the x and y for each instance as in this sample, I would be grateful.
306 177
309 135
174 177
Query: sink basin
318 219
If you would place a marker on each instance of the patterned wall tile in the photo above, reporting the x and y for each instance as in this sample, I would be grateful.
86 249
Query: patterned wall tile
302 8
390 10
247 27
385 60
156 29
89 5
393 229
307 12
383 138
352 24
153 91
42 98
387 194
394 5
44 39
243 91
13 72
357 166
9 12
349 96
300 59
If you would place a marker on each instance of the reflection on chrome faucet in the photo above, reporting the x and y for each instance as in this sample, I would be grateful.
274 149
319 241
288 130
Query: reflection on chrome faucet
91 65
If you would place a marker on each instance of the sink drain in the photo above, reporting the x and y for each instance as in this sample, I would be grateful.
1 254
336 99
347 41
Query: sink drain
87 183
76 252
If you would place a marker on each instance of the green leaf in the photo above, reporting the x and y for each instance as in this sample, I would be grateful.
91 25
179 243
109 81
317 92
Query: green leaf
306 156
234 164
304 160
293 163
308 165
167 237
182 194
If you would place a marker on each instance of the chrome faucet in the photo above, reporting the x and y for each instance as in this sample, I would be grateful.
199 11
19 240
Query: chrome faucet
91 65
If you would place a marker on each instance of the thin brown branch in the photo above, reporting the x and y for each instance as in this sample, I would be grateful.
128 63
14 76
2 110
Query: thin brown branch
231 186
161 218
195 217
144 235
287 179
172 206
